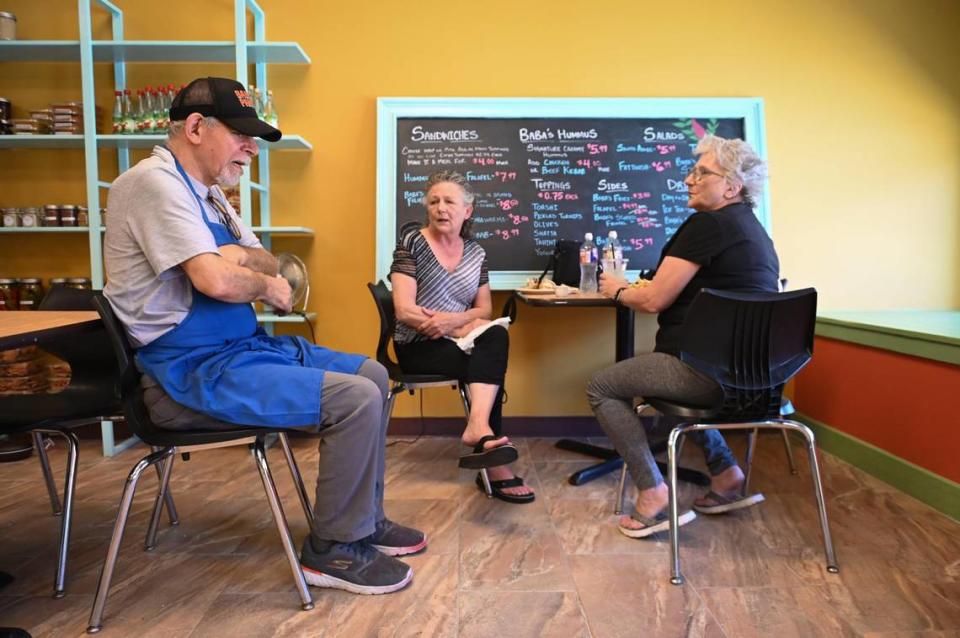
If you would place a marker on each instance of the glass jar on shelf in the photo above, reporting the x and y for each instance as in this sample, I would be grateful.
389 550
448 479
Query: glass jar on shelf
58 281
80 283
30 217
31 293
51 215
68 215
10 217
9 300
83 216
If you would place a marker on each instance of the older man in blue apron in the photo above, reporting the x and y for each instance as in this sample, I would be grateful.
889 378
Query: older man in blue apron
182 271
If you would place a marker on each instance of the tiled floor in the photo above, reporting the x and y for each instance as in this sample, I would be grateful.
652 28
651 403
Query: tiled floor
557 567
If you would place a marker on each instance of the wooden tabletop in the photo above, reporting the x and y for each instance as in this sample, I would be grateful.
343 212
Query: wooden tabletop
21 326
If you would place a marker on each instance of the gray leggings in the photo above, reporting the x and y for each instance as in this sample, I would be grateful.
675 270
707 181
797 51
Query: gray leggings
611 392
352 429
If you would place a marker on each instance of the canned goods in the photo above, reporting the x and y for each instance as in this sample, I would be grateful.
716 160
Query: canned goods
30 217
31 293
9 300
5 110
68 215
10 217
58 281
83 217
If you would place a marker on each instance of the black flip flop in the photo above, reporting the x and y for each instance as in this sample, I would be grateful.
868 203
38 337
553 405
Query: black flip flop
481 459
497 486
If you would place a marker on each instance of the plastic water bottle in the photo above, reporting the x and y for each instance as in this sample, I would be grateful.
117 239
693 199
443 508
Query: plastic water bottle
588 264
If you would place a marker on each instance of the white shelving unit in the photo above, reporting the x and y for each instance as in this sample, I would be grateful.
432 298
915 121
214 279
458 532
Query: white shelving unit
241 52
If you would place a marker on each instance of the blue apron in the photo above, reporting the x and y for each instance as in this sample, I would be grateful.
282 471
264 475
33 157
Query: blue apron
217 361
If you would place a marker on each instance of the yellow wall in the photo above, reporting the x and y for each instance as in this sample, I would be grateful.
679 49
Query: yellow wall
862 115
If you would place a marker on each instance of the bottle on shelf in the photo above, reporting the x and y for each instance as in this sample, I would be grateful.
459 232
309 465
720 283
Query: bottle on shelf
129 117
117 112
147 121
159 114
588 264
270 111
257 100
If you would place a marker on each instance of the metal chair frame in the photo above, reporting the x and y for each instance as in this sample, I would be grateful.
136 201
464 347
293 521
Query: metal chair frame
165 444
751 344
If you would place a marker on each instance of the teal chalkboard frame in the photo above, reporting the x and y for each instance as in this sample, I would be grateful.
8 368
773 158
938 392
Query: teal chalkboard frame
391 109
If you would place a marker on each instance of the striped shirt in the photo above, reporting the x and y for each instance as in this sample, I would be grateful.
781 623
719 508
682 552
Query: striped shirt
437 288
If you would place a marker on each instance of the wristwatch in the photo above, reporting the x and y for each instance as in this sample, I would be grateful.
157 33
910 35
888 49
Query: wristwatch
616 296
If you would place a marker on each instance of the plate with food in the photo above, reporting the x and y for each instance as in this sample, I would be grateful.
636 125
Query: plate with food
535 287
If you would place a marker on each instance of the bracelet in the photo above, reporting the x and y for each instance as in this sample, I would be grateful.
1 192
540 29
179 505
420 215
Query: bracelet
616 296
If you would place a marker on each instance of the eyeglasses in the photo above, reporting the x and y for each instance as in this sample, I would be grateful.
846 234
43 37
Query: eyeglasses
698 173
226 217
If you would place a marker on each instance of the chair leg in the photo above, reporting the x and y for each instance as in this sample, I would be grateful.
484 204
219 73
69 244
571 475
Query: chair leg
297 479
151 541
832 566
167 493
748 459
106 574
69 488
621 491
673 450
47 474
260 456
789 450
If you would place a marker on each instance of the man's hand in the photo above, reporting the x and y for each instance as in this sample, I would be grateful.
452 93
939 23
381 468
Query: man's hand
609 284
278 294
439 323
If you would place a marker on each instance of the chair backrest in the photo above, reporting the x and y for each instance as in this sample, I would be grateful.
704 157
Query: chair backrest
751 344
383 298
60 297
128 380
88 357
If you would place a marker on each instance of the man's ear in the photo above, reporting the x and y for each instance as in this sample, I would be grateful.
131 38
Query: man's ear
192 126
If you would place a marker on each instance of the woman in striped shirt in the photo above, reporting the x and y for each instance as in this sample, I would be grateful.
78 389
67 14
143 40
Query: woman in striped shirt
441 289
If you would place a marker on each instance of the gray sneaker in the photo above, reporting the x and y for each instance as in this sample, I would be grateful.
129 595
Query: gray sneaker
394 539
356 567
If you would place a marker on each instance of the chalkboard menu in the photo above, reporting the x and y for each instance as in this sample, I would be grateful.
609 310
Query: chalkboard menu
540 179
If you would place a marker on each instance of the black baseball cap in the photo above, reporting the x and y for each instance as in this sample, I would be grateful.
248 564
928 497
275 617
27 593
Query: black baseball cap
230 103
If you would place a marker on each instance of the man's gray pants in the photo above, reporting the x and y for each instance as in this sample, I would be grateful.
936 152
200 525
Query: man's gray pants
353 430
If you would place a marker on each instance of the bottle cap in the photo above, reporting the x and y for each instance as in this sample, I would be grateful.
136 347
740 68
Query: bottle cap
588 237
612 234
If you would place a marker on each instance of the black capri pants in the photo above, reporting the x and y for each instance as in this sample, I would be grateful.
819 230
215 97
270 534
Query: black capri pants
486 364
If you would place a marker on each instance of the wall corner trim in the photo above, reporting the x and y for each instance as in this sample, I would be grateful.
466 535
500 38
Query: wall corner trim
936 491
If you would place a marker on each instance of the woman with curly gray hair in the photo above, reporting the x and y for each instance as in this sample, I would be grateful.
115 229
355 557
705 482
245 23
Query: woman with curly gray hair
721 245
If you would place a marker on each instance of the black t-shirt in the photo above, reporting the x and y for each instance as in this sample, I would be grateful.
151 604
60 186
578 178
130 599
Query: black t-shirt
734 252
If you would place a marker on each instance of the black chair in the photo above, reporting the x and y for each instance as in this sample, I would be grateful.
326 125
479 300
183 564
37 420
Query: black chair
87 399
401 380
751 344
166 444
